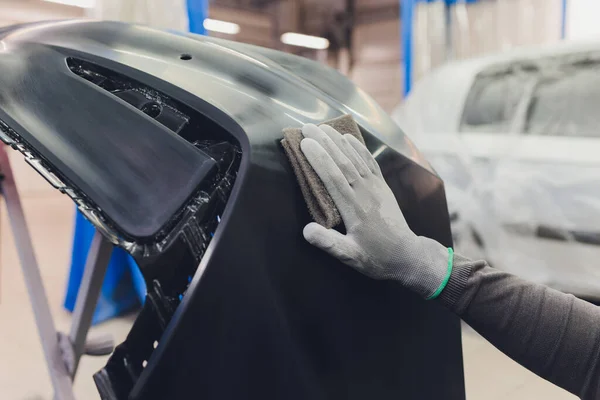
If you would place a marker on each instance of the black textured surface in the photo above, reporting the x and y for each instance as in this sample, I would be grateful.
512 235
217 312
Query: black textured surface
266 315
133 168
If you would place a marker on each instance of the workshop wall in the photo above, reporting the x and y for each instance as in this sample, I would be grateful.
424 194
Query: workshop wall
492 26
167 14
19 11
376 65
256 27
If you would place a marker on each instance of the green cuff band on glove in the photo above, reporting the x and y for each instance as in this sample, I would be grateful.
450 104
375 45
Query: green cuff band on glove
447 277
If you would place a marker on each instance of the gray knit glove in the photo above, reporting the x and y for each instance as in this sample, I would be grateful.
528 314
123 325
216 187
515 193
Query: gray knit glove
378 241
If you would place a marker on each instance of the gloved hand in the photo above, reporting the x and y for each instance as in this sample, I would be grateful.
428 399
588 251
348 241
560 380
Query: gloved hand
378 241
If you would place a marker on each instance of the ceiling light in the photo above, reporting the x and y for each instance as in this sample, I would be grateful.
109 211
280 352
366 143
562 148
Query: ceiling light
76 3
298 39
221 26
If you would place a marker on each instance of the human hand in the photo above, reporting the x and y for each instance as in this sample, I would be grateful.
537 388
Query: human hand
378 241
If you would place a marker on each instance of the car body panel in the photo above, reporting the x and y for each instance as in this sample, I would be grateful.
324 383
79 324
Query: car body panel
265 315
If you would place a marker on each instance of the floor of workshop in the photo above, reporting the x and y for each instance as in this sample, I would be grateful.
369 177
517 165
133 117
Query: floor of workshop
489 374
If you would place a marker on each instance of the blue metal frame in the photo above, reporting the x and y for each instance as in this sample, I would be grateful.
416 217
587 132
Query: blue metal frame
406 12
563 22
197 12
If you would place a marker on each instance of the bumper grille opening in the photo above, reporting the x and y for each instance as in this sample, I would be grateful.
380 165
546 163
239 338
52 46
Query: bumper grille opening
168 264
168 276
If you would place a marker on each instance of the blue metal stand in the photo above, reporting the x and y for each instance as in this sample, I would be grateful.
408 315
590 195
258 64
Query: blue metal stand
406 11
124 287
197 12
563 22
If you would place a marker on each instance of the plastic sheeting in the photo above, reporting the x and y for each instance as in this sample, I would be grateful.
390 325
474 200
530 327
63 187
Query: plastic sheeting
166 14
469 28
515 138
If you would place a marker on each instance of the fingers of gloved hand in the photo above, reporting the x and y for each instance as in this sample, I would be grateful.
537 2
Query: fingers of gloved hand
347 149
336 184
331 241
344 164
365 154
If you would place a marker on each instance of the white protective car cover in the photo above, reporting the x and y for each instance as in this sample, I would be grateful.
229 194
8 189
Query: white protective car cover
532 198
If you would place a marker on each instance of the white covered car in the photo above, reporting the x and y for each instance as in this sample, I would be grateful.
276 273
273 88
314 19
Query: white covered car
516 138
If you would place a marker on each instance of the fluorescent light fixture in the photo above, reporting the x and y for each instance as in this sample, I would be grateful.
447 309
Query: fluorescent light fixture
298 39
76 3
221 26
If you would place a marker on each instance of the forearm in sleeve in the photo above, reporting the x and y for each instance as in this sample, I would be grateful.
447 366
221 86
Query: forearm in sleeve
554 335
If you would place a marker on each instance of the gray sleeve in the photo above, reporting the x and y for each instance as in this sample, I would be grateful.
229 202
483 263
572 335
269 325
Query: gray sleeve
554 335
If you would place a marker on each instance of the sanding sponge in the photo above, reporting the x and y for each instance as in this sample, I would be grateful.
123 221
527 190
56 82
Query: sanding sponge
319 202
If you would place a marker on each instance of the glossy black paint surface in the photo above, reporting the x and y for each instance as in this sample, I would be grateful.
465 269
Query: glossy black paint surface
139 176
266 316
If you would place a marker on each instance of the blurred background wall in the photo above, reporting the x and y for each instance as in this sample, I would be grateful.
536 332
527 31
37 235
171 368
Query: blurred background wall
19 11
137 11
